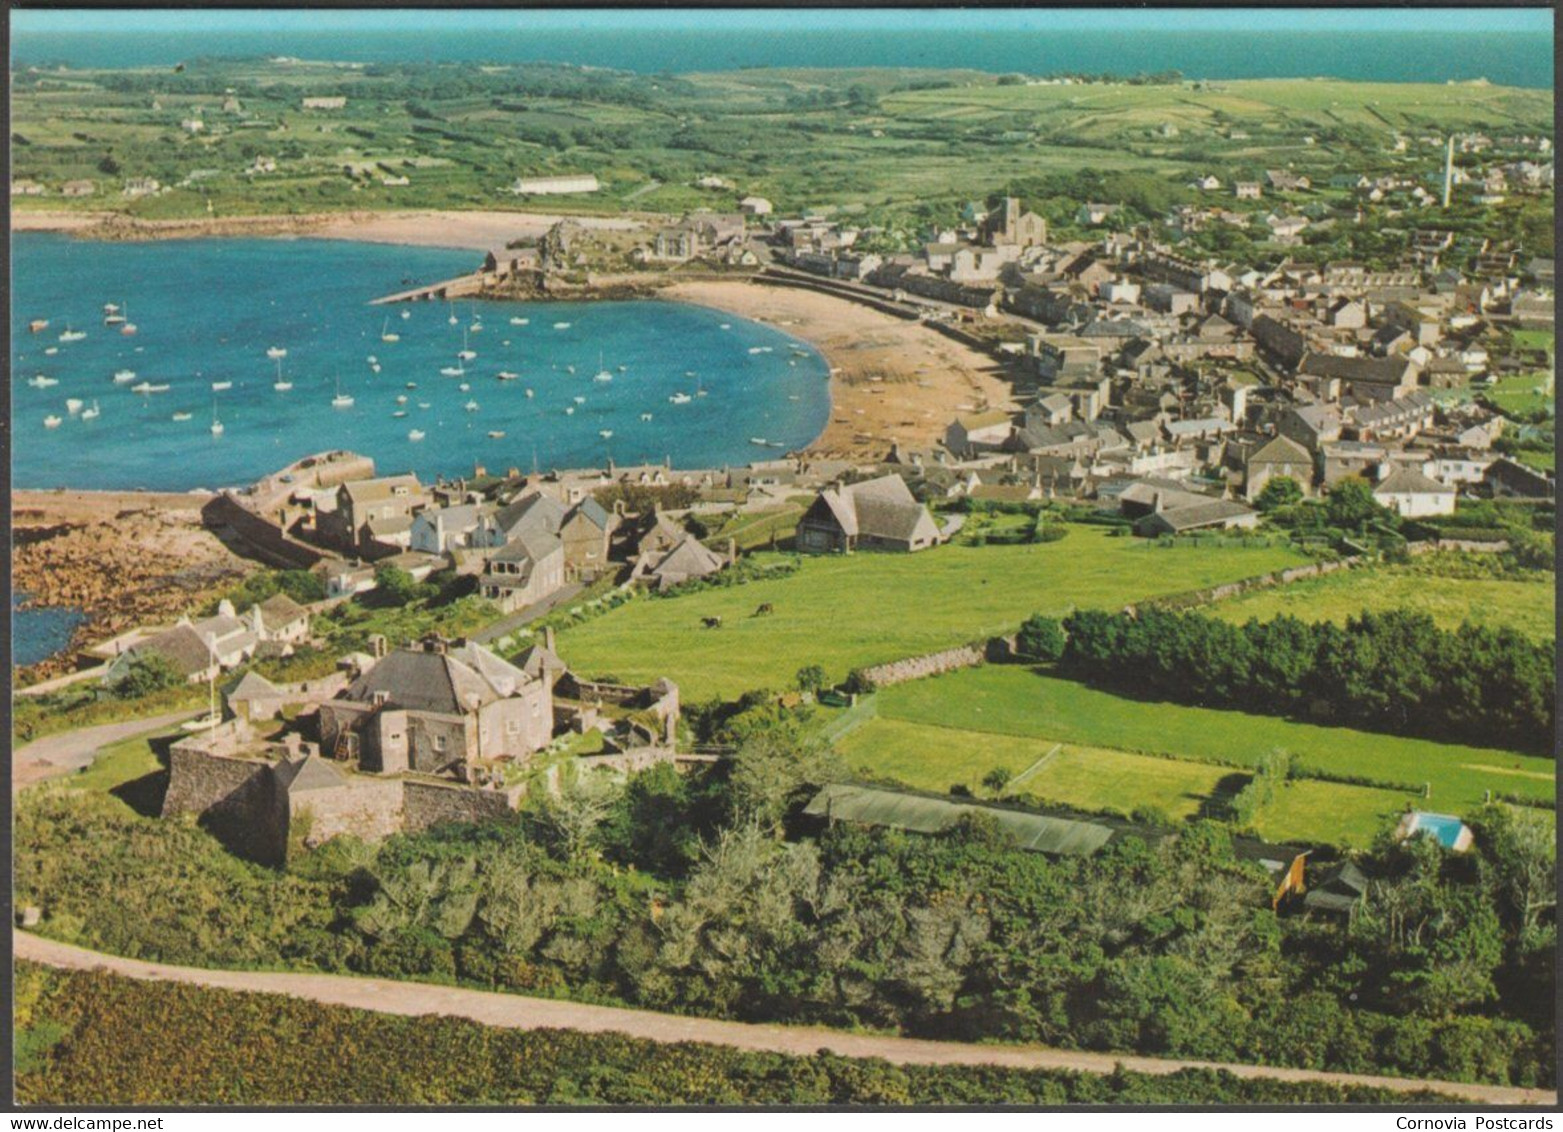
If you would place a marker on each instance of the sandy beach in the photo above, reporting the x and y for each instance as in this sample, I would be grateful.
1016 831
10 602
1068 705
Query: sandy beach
477 230
891 380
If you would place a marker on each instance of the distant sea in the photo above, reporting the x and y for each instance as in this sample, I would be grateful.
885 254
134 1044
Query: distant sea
1510 58
208 310
37 634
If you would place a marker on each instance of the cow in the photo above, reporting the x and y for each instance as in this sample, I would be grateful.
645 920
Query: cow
711 622
765 610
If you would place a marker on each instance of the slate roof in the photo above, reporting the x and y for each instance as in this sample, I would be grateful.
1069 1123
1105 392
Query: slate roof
1206 512
1281 450
534 509
414 679
1373 371
689 559
251 686
279 609
315 773
1409 481
181 646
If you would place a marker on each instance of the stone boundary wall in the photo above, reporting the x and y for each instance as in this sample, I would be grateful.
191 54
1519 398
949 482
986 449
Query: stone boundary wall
266 537
920 667
823 287
425 804
1189 599
1429 546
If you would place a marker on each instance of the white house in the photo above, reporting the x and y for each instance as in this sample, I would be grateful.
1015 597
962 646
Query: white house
1412 495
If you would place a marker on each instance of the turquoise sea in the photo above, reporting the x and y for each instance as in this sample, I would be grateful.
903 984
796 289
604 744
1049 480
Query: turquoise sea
207 311
37 634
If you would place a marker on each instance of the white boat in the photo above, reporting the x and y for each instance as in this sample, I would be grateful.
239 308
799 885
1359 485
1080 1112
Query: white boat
385 332
38 324
51 350
569 369
453 320
605 433
341 400
496 434
91 414
205 723
529 394
680 399
183 416
603 372
217 425
371 359
645 416
279 385
464 387
375 368
569 410
399 414
760 440
415 434
148 387
401 398
124 376
69 335
406 314
760 349
51 421
471 406
128 329
518 321
579 400
476 327
276 352
221 386
423 404
727 326
111 315
73 405
412 385
507 375
42 382
561 326
453 371
465 353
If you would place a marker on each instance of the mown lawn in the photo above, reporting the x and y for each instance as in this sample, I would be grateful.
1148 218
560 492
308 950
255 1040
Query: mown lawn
1010 700
1354 815
1522 394
846 612
1529 606
1089 778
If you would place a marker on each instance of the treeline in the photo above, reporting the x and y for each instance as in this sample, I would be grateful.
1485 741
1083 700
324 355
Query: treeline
86 1038
680 894
1395 671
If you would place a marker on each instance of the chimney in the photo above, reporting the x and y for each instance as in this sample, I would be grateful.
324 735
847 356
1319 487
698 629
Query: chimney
548 638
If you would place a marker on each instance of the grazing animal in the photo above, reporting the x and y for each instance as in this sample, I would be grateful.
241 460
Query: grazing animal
764 610
711 622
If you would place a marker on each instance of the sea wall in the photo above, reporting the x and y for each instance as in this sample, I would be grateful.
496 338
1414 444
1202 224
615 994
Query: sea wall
265 537
425 804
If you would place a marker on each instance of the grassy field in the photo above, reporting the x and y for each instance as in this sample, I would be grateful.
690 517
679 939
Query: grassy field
1522 394
843 613
955 728
1529 606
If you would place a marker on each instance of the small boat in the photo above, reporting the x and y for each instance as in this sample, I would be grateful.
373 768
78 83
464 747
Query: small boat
453 320
423 404
529 394
412 385
375 368
385 332
221 386
579 400
276 352
69 335
110 308
471 406
91 414
415 434
603 372
205 723
506 375
776 444
561 326
518 321
183 416
760 440
680 399
341 400
217 425
401 398
51 350
371 359
124 376
496 434
38 324
406 314
279 385
128 329
42 382
569 410
727 326
606 433
51 421
476 327
113 318
569 369
464 387
399 414
645 416
760 349
793 397
73 405
453 371
148 387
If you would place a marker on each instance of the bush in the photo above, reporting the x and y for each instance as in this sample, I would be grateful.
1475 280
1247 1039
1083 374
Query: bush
148 673
1040 638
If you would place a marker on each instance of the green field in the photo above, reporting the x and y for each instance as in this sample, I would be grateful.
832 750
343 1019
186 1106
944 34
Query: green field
1522 394
955 728
1528 606
843 613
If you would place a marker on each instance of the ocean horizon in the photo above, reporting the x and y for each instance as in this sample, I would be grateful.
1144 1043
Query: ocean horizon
1513 58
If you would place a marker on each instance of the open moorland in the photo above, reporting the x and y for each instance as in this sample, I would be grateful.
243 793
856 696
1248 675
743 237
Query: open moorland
843 613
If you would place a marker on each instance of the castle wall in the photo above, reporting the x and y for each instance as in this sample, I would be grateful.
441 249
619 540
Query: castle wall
425 804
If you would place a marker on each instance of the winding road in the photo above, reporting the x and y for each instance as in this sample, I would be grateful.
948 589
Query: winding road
70 751
510 1011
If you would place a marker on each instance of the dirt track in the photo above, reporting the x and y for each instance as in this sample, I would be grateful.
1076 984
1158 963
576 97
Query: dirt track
518 1012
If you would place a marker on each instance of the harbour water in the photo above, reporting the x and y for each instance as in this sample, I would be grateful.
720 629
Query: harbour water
37 634
207 311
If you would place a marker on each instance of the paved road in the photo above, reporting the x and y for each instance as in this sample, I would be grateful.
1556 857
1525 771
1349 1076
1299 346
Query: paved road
520 1013
69 751
526 616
